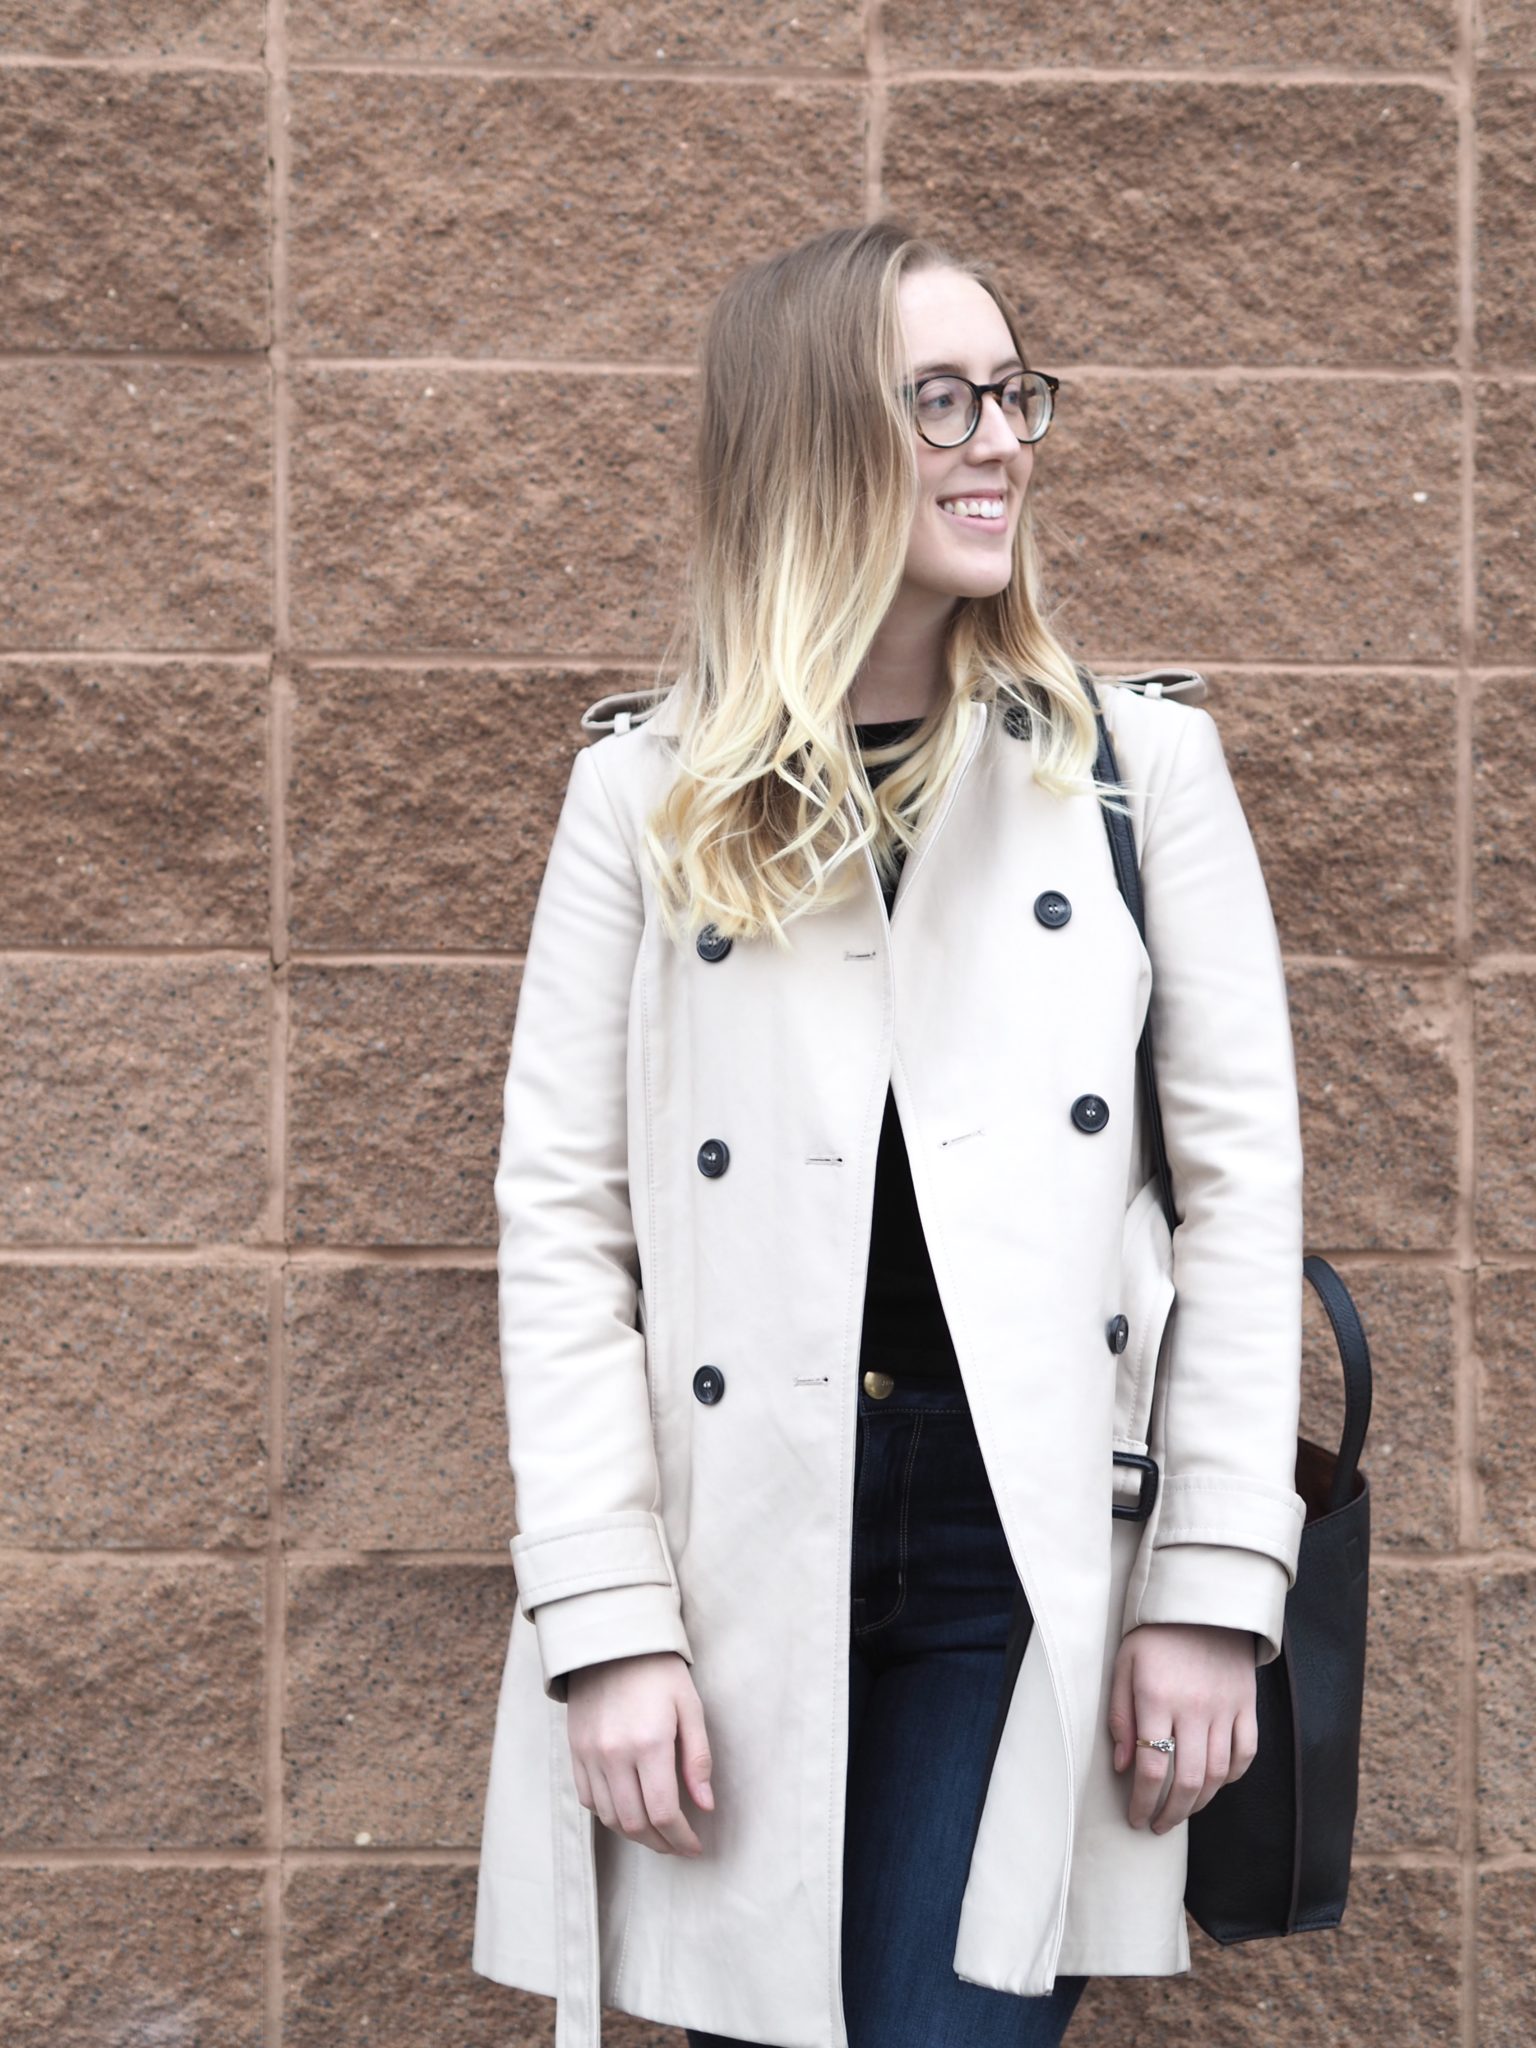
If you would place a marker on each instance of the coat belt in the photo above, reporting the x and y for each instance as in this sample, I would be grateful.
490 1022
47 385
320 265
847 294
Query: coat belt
578 1958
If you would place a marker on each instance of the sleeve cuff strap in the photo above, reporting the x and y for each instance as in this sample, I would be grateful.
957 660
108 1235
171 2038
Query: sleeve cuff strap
1248 1515
627 1548
1219 1586
591 1628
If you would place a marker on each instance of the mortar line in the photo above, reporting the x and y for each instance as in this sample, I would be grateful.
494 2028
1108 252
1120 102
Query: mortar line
1463 1286
275 56
1433 966
877 106
320 361
1457 1567
599 71
471 659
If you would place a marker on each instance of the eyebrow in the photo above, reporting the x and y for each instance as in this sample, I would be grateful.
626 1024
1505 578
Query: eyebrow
1008 362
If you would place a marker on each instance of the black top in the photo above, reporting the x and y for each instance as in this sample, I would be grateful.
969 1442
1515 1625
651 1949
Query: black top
905 1330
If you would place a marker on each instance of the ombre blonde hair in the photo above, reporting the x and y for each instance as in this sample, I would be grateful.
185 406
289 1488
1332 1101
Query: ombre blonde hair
806 484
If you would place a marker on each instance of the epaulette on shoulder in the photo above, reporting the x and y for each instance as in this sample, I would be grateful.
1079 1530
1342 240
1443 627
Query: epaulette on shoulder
1187 684
621 709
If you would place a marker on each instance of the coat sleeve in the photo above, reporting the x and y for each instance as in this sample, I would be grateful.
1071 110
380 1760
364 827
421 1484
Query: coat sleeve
1221 1543
594 1571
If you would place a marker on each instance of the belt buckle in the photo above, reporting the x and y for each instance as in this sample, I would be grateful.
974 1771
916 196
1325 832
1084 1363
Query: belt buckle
1143 1504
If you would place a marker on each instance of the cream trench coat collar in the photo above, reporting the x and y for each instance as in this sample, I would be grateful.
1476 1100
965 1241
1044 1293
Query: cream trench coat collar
632 1253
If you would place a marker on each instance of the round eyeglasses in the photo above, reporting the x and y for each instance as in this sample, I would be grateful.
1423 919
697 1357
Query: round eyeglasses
946 410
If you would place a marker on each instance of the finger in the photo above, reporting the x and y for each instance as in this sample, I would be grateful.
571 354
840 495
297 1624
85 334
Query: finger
602 1798
693 1747
631 1817
1245 1743
583 1779
1121 1718
663 1803
1149 1780
1218 1762
1191 1742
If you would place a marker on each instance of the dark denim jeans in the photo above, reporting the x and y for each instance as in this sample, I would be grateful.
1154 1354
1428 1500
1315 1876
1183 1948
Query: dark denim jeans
933 1594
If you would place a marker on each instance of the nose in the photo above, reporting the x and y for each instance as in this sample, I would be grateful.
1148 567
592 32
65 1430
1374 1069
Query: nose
994 432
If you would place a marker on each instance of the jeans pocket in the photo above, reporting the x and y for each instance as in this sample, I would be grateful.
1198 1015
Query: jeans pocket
881 1511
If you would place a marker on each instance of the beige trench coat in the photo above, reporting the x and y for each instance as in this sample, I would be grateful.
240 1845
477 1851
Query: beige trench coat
650 1519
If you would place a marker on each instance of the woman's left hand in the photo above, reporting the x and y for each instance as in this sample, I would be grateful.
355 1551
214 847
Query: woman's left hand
1193 1682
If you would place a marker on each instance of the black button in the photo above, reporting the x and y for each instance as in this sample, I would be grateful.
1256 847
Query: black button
1117 1331
710 946
1090 1112
709 1384
714 1157
1052 908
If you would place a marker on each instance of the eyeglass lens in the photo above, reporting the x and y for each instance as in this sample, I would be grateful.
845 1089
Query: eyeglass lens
946 407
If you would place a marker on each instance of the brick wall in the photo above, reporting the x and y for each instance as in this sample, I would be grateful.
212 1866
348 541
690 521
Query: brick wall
344 352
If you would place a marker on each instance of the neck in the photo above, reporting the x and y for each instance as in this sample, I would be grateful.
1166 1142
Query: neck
903 674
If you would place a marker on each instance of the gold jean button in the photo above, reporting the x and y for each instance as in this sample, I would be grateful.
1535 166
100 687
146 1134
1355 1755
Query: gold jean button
879 1384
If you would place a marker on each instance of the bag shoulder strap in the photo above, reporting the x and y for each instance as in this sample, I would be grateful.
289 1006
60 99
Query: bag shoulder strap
1343 1316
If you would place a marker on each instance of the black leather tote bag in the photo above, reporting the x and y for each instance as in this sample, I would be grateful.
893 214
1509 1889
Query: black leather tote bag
1270 1853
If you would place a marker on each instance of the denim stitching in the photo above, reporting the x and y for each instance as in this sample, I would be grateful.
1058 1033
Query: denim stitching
901 1546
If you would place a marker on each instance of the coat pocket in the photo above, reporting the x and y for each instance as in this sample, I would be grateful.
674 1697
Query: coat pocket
1146 1297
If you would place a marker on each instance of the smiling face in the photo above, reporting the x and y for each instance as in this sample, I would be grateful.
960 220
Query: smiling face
951 321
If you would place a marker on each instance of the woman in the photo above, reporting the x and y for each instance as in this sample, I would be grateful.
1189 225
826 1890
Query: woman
866 1695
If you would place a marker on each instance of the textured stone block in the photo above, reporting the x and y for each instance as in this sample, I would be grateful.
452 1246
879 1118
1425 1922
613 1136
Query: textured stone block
397 1431
135 28
1506 1678
130 1705
1506 195
1506 1933
1416 35
1410 1446
550 216
1389 1976
391 1701
135 505
1297 521
133 1094
1376 1067
437 510
1349 785
380 1953
1505 34
421 804
1505 491
1410 1740
139 217
395 1081
133 804
1504 814
1505 1342
135 1403
798 34
1312 224
115 1958
1504 1012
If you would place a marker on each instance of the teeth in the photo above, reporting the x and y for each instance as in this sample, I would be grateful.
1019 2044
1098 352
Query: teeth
974 508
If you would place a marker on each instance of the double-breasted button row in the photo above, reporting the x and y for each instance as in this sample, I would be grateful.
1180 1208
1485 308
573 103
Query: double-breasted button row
714 1157
710 945
1052 908
1090 1112
1117 1332
709 1384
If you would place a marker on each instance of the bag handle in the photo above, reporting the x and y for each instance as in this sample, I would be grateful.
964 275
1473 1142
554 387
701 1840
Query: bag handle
1343 1317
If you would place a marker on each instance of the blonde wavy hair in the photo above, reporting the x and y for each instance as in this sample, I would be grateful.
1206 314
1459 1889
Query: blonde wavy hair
805 487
